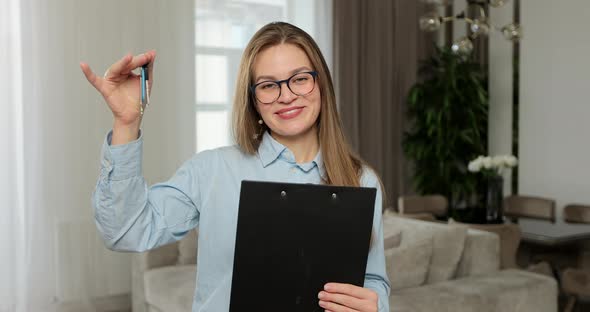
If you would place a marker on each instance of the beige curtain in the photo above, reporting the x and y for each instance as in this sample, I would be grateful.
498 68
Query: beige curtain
377 47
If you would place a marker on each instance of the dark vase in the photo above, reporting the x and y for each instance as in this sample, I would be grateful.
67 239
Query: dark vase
494 197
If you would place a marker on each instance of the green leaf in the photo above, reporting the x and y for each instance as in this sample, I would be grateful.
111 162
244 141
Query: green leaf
448 113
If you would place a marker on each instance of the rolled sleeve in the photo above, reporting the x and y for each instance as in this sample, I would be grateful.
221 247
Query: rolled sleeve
122 161
132 217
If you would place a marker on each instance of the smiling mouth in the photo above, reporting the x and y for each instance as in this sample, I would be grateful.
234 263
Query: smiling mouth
289 112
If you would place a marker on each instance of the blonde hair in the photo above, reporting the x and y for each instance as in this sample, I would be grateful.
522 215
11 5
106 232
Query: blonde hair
342 166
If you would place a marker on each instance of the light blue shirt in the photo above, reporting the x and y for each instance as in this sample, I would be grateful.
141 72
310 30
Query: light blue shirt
204 192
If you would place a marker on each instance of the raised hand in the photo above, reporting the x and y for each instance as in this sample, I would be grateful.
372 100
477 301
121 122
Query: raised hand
120 88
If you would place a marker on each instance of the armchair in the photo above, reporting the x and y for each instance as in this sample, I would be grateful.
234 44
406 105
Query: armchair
425 207
576 282
164 279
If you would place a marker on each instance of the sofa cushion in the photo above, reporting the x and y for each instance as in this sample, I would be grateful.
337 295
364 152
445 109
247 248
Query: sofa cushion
392 237
448 242
505 291
171 288
481 254
187 248
407 265
448 246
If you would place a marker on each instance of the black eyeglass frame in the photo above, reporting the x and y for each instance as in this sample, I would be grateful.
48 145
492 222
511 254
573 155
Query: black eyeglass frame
314 74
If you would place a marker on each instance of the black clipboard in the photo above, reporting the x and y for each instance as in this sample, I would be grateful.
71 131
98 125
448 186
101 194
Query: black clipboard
291 239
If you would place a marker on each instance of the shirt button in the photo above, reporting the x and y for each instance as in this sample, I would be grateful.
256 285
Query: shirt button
293 170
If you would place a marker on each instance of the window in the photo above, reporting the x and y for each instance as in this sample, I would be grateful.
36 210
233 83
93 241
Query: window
223 28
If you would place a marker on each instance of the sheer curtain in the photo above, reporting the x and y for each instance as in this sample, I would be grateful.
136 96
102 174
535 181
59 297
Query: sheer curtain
52 126
11 197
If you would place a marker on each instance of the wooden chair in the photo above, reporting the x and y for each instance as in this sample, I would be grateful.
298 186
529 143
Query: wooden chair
576 282
530 207
421 205
576 214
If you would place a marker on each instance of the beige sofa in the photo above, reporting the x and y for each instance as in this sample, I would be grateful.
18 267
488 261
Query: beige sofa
432 267
440 267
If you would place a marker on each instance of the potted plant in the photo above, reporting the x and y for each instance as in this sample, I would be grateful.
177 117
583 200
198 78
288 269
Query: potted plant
448 115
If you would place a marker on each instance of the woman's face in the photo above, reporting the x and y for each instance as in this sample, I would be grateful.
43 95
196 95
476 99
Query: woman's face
290 116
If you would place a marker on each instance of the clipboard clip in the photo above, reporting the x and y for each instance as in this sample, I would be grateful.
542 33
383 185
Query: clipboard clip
284 194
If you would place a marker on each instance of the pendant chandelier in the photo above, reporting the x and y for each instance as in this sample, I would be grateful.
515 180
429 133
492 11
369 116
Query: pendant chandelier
479 25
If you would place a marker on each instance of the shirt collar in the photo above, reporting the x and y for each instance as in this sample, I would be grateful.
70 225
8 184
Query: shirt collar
270 150
319 162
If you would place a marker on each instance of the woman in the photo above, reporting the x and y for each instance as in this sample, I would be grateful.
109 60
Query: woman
287 129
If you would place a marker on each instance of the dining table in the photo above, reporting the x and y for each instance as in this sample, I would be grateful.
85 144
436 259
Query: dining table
553 234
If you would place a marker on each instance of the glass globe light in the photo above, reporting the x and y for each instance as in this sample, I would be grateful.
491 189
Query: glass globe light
497 3
430 21
480 28
512 32
462 46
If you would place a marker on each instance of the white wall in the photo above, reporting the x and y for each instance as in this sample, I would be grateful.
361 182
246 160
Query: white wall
554 121
500 69
500 81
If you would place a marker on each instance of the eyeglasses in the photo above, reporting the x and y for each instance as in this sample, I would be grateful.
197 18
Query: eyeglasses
267 92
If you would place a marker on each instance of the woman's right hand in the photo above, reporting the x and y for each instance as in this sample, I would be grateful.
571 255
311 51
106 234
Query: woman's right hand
120 88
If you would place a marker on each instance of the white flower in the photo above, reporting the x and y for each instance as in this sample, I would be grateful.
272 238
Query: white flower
510 161
498 161
487 162
474 165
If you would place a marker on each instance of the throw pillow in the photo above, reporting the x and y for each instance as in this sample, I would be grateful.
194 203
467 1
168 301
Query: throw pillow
447 244
407 265
392 237
392 241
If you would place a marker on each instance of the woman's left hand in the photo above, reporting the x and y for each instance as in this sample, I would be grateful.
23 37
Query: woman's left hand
348 298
